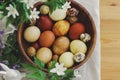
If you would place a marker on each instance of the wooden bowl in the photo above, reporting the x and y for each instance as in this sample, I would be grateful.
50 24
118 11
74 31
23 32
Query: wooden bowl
85 18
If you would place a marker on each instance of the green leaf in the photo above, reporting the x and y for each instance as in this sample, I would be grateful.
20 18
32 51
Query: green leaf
42 75
34 76
54 4
52 65
54 77
29 67
40 64
69 74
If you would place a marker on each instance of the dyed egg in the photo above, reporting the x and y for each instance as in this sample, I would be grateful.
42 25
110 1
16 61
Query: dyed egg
44 23
61 45
46 39
32 33
44 54
58 14
76 30
78 46
67 59
61 28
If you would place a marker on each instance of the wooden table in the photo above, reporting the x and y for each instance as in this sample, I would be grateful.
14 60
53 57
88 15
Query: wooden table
110 39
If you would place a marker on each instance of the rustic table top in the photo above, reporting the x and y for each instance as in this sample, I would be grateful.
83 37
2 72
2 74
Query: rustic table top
110 39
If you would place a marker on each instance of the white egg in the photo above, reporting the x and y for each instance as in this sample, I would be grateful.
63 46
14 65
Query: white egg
58 14
67 59
32 33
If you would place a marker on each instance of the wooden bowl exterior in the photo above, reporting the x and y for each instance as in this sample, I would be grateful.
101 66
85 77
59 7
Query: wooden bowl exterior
85 18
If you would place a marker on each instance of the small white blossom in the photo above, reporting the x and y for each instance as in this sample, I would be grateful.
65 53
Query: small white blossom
34 14
59 69
77 74
29 3
12 11
66 5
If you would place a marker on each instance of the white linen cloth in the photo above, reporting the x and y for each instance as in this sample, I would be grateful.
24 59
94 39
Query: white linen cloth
91 69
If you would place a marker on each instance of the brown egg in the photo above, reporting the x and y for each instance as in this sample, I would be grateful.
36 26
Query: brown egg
46 39
44 23
44 54
61 45
76 30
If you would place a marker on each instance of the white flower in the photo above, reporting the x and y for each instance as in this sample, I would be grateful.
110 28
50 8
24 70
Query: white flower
29 3
76 74
59 69
34 14
12 11
66 5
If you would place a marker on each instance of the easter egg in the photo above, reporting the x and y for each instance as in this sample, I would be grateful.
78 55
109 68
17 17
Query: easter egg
44 54
61 28
67 59
58 14
46 39
61 45
78 46
31 34
76 30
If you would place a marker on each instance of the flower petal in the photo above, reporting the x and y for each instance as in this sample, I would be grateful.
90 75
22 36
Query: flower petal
60 73
53 70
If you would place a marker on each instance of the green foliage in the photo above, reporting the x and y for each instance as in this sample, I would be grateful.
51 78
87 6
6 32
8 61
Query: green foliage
36 72
40 64
11 51
54 4
20 7
69 74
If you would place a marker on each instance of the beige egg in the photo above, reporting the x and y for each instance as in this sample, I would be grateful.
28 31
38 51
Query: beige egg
44 54
61 45
31 34
58 14
78 46
44 9
67 59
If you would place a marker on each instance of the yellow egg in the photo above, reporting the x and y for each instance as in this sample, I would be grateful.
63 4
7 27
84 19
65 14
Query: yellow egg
78 46
61 28
67 59
44 54
32 33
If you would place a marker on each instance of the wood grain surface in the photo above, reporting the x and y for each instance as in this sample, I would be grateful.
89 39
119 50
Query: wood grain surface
110 39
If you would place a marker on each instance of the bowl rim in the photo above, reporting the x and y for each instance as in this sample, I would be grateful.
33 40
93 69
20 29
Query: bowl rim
91 48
